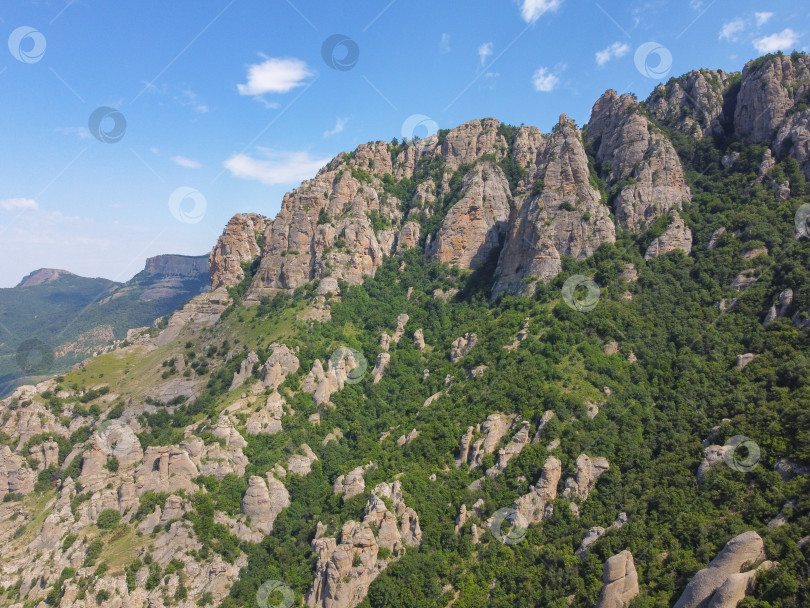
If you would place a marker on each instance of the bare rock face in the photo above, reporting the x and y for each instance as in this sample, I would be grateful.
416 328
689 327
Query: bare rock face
768 90
120 442
225 430
640 157
474 227
593 535
383 359
347 565
620 581
201 311
677 236
238 244
301 464
747 548
712 457
692 104
512 449
793 138
534 506
588 472
470 141
409 236
492 431
745 359
245 370
737 586
281 363
462 346
351 484
15 475
268 419
263 504
419 339
563 215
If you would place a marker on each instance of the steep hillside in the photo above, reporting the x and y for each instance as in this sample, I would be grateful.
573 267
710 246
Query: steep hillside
53 318
494 367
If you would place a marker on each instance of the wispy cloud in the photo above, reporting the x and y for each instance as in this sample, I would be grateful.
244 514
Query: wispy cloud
80 132
484 51
189 99
338 128
544 81
275 167
275 75
532 10
18 204
444 44
614 51
781 41
732 29
762 18
188 163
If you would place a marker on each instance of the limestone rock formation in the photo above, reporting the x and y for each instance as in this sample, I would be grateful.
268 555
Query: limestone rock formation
534 506
512 449
492 431
588 472
419 339
593 535
15 475
692 103
263 502
267 419
747 548
245 370
237 245
620 581
676 236
462 346
301 464
281 363
383 359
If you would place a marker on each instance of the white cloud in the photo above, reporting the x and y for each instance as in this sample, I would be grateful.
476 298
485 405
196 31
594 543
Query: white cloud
732 29
275 75
544 81
532 10
781 41
444 44
484 51
188 163
80 132
338 128
15 204
614 51
275 167
763 18
189 99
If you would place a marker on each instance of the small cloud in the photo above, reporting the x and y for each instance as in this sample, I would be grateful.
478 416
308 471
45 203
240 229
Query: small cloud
338 128
189 99
18 204
614 51
762 18
275 167
275 75
781 41
188 163
154 150
444 44
532 10
484 51
732 29
544 81
80 132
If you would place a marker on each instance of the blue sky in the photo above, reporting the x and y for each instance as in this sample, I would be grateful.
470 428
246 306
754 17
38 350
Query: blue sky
218 107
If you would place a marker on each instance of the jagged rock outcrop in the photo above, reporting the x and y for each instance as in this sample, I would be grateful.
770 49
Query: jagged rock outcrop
383 359
747 548
492 431
713 456
419 339
676 236
301 464
620 581
245 370
351 484
409 236
475 226
785 300
267 419
263 502
15 475
534 506
201 311
588 472
461 347
281 363
406 439
593 535
544 420
692 103
563 215
511 450
238 244
641 159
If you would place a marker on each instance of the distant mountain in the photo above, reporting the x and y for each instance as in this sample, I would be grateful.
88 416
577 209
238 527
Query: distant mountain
54 318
